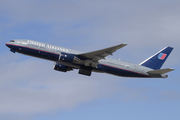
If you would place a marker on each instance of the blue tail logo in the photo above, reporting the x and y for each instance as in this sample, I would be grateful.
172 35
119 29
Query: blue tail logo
157 60
162 56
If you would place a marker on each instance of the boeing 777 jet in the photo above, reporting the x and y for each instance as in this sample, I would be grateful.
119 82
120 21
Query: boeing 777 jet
97 61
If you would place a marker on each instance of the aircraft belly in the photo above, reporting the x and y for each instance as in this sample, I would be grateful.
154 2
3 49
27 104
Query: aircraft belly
122 72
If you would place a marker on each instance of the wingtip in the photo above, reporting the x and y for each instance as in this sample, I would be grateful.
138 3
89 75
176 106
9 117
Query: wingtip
171 69
123 44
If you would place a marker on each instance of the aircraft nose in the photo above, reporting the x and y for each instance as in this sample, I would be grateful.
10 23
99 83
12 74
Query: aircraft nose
7 44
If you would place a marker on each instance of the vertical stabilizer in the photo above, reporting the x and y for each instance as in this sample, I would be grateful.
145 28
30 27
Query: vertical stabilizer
156 61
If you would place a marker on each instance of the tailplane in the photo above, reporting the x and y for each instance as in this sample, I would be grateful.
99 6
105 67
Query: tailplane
157 60
161 71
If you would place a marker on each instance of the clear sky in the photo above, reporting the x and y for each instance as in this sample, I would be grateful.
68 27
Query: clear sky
31 90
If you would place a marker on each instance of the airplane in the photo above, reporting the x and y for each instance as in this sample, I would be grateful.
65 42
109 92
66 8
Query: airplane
96 61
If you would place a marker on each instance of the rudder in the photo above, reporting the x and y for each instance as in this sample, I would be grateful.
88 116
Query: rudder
157 60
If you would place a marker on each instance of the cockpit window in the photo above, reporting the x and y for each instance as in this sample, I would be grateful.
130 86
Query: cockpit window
12 41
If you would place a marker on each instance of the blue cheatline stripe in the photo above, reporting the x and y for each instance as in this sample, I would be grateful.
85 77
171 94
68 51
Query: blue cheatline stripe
44 54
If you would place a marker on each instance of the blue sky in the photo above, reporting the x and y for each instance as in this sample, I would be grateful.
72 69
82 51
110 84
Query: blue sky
31 90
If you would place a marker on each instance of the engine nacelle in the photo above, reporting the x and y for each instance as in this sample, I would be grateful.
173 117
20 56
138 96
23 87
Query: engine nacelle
60 67
66 57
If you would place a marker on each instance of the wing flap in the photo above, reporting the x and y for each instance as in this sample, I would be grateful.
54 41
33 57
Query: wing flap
161 71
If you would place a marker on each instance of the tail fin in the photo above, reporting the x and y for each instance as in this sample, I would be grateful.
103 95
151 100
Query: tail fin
157 60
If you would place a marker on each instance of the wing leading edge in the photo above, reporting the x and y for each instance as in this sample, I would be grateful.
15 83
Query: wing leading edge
101 54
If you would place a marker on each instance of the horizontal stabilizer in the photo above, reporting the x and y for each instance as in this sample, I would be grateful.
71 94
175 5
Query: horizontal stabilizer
161 71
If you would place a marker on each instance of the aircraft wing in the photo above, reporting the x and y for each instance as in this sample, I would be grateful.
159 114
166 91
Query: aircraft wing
101 54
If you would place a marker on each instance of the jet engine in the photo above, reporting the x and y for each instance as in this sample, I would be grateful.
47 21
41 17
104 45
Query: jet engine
62 68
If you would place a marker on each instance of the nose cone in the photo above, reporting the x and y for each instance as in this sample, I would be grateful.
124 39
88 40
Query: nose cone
8 45
11 47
